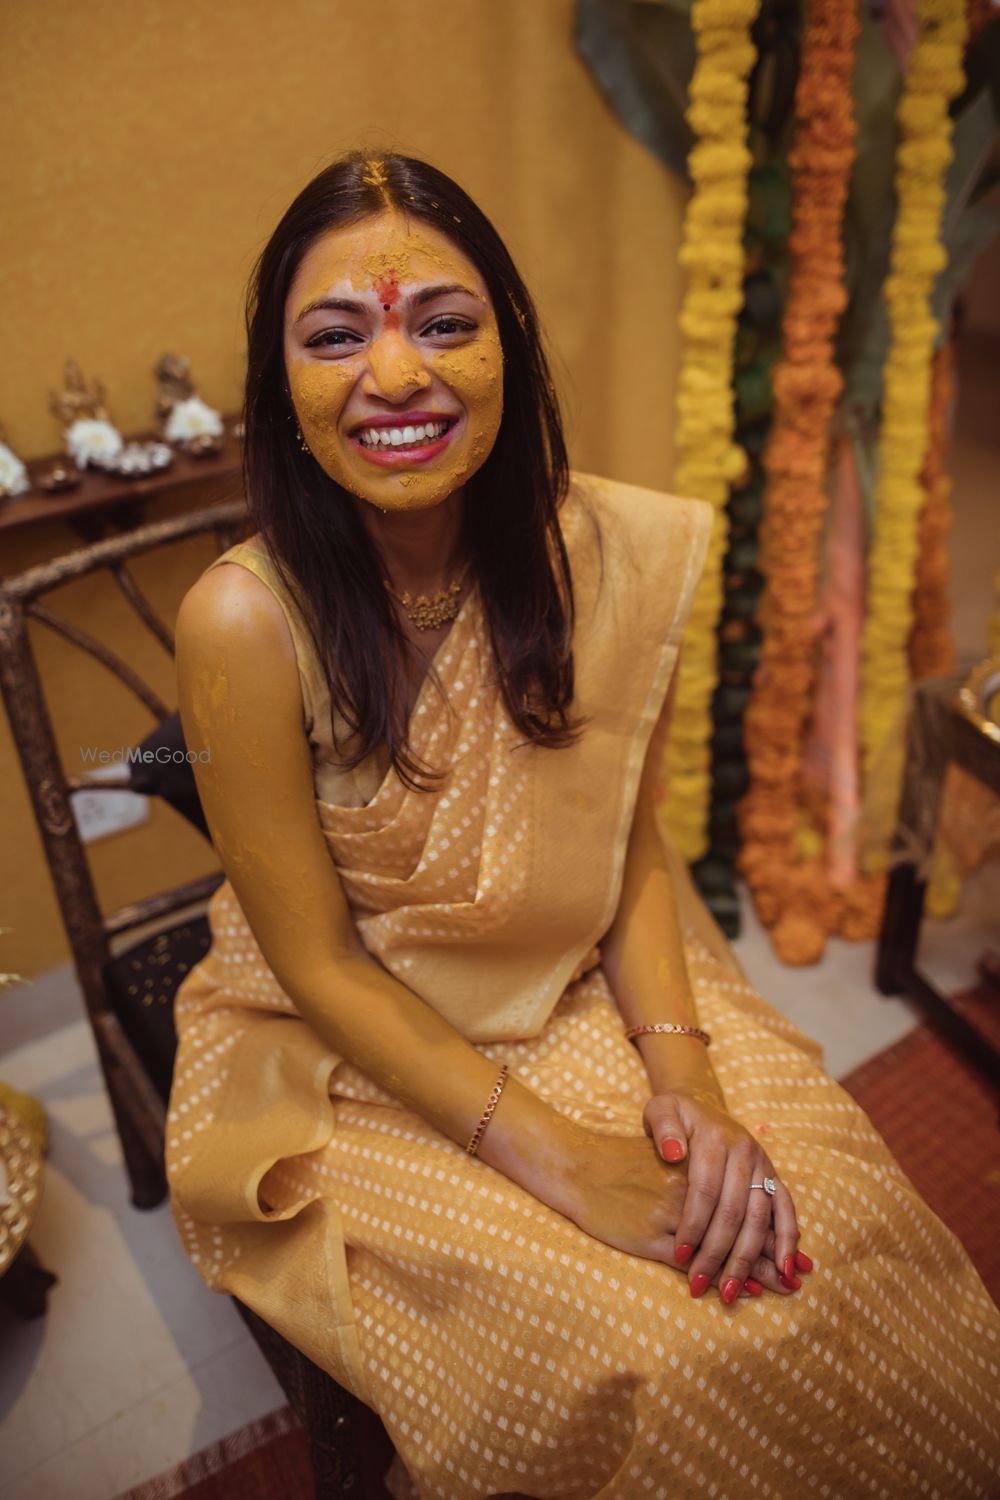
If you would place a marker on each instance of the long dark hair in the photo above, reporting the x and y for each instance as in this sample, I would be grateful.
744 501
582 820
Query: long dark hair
311 527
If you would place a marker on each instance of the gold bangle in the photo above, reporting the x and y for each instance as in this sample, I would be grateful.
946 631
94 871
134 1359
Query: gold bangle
491 1105
702 1036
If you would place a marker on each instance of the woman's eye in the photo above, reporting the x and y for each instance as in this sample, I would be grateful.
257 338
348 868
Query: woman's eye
446 325
332 338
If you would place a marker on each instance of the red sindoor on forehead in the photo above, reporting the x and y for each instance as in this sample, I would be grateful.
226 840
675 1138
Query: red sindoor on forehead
387 288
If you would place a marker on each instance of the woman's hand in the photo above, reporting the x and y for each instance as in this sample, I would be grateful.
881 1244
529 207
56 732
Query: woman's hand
619 1192
723 1225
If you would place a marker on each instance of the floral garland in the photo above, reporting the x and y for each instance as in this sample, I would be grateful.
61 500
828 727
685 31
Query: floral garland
931 647
934 77
794 901
707 458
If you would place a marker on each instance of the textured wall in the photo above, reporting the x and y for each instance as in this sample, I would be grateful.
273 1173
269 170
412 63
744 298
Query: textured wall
149 150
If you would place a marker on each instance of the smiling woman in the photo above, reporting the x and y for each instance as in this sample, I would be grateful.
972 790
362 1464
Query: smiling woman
384 303
408 1126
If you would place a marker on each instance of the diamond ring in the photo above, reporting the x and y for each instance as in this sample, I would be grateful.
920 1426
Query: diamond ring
769 1185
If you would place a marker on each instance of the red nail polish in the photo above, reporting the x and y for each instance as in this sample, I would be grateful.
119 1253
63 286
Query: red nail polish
699 1283
683 1253
802 1262
672 1149
788 1265
753 1287
791 1282
729 1288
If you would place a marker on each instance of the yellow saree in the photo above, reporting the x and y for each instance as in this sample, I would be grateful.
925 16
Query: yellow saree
505 1349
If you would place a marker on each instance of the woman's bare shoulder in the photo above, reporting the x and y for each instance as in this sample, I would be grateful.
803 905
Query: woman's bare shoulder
229 607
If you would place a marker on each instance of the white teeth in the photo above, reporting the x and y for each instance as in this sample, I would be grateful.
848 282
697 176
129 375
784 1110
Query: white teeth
397 437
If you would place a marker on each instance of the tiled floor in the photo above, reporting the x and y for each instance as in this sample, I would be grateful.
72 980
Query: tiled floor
137 1365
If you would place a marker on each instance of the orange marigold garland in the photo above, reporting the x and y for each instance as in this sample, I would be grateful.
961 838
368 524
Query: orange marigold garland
793 895
706 457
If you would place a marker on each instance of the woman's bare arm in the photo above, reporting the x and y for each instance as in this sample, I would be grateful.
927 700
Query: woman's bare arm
643 950
725 1227
240 700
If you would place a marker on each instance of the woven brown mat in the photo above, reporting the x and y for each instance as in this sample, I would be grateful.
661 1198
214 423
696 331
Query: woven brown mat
266 1460
938 1114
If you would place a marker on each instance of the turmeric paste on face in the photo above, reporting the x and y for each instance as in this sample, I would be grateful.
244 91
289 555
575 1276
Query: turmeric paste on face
388 364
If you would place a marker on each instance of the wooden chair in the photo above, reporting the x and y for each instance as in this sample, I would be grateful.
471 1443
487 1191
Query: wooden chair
128 984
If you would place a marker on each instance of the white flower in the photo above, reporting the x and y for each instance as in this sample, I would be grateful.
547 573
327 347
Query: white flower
13 474
191 419
92 442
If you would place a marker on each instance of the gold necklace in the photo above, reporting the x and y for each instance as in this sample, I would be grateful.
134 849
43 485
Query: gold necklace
429 611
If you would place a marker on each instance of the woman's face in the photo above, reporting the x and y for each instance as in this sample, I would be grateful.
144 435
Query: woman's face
394 361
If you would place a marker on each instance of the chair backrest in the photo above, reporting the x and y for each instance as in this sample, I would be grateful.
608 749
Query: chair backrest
91 932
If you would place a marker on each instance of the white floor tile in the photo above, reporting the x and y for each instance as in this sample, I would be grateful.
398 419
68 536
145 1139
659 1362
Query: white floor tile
834 1002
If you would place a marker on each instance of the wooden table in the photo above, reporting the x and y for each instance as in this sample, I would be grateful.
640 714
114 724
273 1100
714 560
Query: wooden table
102 503
938 734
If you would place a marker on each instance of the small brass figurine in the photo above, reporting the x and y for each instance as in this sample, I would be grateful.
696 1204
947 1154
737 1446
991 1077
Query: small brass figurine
173 384
89 436
185 419
77 400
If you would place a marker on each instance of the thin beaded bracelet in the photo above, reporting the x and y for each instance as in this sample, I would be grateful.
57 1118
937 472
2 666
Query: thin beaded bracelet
702 1036
491 1105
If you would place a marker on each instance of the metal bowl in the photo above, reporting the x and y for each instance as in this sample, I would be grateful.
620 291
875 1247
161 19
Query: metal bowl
978 699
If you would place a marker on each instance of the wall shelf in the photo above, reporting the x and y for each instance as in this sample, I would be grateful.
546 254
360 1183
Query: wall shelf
103 502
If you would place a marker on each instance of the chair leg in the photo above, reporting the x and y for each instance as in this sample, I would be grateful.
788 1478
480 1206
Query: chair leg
24 1287
376 1453
354 1458
900 931
147 1178
146 1173
140 1115
350 1450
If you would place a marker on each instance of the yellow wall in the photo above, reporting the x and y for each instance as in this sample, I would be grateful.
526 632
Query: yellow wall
150 147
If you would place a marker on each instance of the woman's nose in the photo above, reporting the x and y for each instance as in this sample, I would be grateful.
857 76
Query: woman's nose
394 367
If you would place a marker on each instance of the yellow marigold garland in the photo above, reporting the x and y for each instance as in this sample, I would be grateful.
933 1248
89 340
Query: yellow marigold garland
934 77
707 458
791 891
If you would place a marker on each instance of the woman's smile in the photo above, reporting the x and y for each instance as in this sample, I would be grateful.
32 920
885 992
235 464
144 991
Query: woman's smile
412 437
